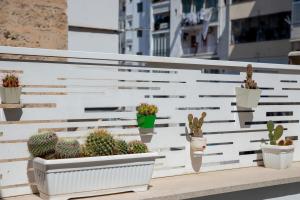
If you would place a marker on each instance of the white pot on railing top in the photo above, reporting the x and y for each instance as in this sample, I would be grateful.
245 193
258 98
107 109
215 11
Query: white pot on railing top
247 98
90 176
277 157
10 95
198 144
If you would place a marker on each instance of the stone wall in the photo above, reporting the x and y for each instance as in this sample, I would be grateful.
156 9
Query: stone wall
34 23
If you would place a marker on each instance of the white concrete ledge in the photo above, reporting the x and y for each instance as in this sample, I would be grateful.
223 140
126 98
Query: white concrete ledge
204 184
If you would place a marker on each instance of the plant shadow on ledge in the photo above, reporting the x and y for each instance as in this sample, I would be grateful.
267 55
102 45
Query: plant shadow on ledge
102 165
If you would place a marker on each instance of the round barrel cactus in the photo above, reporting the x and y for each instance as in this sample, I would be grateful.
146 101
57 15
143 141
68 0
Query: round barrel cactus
42 144
100 143
67 148
121 147
137 147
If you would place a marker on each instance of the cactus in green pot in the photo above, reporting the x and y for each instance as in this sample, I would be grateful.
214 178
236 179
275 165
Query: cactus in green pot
274 134
137 147
100 143
42 144
67 148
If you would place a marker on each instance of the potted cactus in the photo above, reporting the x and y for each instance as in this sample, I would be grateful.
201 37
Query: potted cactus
248 96
65 169
10 89
146 116
198 142
278 154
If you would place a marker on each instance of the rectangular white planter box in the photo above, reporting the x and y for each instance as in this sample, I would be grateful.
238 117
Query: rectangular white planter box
10 95
79 177
277 157
247 98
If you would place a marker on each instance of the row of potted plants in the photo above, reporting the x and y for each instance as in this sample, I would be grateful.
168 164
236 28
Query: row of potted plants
103 164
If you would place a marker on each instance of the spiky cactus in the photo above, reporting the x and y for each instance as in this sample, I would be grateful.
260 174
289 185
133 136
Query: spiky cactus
42 144
147 109
137 147
67 148
10 80
100 143
249 82
195 124
121 147
274 134
83 151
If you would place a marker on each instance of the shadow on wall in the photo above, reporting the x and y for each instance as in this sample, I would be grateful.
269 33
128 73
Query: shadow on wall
281 192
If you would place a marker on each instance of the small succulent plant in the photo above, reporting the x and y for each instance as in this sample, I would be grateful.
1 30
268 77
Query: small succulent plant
249 82
42 144
195 125
276 133
137 147
147 109
67 148
10 80
100 143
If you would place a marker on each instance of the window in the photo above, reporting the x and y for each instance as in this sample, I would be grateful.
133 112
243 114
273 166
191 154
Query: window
129 47
162 21
129 23
161 44
140 7
261 28
139 33
186 6
139 53
240 1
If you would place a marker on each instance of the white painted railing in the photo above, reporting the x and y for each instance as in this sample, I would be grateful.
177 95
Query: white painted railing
96 90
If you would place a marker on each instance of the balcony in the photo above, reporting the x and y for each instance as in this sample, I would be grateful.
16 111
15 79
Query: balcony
72 93
203 52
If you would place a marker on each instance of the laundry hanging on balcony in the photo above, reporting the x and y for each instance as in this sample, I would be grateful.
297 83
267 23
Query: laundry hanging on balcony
205 15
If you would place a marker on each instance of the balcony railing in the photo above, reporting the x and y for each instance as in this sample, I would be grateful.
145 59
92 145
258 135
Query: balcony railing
194 51
72 92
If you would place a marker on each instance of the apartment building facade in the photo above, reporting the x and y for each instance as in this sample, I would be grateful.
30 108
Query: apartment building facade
179 28
245 30
260 30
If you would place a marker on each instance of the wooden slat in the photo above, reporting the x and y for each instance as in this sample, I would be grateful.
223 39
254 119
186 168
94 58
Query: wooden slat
29 105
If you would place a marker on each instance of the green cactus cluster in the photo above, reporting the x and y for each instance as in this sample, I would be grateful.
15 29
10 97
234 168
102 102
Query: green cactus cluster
195 124
121 147
276 133
42 144
67 148
98 143
147 109
137 147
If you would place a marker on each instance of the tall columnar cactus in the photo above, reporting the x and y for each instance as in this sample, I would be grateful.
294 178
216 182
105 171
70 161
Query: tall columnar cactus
195 124
100 143
249 82
274 134
121 147
137 147
67 148
42 144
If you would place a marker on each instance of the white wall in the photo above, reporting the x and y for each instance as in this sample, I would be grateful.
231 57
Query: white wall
87 41
96 22
102 14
